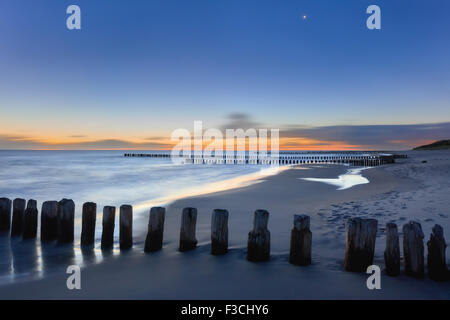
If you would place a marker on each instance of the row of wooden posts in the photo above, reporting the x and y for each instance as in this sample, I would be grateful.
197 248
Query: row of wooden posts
57 223
361 237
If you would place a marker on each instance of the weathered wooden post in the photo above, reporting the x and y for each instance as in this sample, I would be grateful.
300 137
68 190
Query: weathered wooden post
301 240
413 249
5 214
187 231
258 246
436 262
361 236
154 239
17 217
30 219
219 232
126 227
392 252
32 204
66 216
49 221
108 223
88 219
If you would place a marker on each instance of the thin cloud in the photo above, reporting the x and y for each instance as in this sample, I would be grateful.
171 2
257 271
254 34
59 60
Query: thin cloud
369 137
239 120
18 142
373 136
156 138
342 137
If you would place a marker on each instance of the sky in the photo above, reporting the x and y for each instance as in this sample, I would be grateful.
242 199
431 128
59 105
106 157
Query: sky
138 70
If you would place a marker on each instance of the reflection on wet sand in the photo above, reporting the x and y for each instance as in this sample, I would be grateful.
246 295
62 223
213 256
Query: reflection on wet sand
56 256
32 258
5 254
24 256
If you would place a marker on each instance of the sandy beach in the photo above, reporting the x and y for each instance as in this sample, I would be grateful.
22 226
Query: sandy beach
407 190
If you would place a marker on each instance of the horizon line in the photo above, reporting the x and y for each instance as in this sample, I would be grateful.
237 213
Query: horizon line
165 150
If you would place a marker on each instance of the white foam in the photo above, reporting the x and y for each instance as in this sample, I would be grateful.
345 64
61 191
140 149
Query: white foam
352 177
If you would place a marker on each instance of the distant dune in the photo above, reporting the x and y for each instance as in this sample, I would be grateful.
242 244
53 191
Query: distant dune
438 145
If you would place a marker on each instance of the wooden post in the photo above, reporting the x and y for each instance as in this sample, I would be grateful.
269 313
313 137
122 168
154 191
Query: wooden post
30 220
361 236
17 217
154 239
49 221
89 217
66 216
5 214
126 227
187 231
301 240
413 249
32 204
108 223
436 262
258 246
392 252
219 232
30 223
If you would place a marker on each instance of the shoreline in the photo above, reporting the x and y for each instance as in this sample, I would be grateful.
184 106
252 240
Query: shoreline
169 274
241 181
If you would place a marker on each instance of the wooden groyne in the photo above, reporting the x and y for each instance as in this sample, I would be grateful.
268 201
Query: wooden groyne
368 159
359 251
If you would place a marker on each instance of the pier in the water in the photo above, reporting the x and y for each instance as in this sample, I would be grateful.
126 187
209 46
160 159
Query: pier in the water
282 158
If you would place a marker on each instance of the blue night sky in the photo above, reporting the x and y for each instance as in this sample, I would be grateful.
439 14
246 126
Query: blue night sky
139 69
